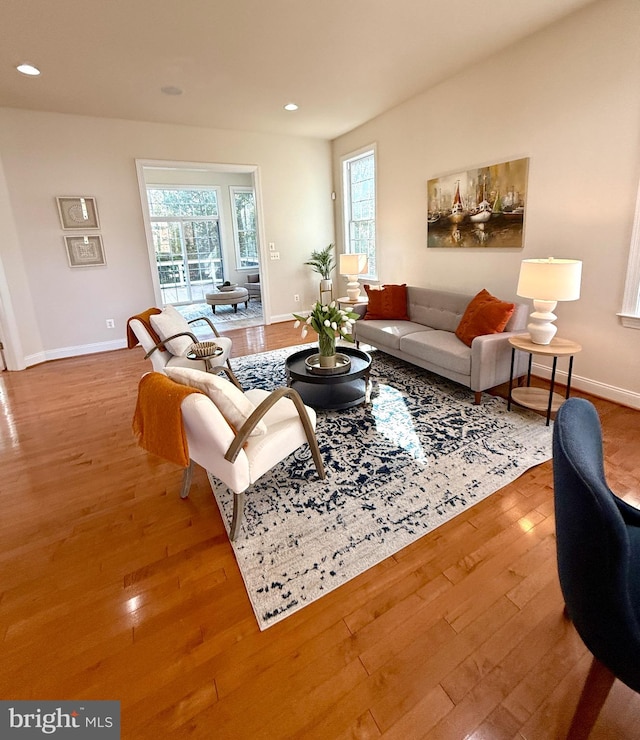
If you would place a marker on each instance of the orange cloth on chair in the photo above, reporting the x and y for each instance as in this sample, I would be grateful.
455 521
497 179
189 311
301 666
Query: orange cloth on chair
157 421
132 339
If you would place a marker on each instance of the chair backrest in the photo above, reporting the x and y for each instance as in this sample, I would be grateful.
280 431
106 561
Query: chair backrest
598 542
209 437
159 358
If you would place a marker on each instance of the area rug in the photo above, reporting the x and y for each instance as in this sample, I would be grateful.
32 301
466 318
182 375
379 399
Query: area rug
417 456
249 316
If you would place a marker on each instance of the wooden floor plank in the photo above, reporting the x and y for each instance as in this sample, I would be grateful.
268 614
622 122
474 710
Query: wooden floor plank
112 587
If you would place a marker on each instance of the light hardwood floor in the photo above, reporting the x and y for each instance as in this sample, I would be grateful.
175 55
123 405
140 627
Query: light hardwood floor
111 587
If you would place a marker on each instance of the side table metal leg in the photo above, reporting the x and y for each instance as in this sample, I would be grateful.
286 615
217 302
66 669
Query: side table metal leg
513 357
569 376
553 382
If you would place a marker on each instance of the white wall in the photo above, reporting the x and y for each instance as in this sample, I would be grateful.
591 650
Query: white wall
568 98
61 311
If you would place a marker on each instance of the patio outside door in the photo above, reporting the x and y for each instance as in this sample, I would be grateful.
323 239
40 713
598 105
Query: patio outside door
186 239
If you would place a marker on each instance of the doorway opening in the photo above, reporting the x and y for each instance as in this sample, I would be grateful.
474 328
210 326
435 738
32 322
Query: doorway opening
203 233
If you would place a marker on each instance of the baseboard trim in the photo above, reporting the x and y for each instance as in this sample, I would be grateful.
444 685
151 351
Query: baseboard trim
280 318
602 390
595 388
82 349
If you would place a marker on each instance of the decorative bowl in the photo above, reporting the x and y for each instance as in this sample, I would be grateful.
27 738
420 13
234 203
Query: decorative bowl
203 349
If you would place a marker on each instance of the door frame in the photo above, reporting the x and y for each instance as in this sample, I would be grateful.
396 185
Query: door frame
144 165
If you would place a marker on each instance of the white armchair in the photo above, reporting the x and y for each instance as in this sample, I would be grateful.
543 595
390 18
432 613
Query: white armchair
270 426
166 337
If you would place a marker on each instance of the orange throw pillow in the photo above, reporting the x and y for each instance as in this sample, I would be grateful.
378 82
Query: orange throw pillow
388 303
485 314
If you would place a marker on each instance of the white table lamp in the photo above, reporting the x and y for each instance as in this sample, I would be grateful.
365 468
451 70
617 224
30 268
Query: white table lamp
352 265
548 281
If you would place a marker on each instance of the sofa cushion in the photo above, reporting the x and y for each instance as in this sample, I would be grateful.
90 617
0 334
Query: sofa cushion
440 348
439 309
485 314
385 332
388 302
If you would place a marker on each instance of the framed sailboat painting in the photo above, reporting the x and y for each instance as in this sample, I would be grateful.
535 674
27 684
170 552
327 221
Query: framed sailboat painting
483 207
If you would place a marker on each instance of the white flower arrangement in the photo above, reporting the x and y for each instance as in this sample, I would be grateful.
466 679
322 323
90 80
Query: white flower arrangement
328 321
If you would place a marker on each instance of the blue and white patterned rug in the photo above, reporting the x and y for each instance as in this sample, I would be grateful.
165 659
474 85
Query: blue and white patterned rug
413 459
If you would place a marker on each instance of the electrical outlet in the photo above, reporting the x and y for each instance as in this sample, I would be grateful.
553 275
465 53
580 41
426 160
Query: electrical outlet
111 324
275 255
296 298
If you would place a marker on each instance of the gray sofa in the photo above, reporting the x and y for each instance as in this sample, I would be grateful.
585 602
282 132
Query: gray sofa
428 340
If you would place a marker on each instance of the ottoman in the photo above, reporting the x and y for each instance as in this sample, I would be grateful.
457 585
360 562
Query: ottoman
228 298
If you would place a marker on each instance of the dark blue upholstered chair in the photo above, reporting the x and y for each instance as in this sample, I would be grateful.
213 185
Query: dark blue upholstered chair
598 541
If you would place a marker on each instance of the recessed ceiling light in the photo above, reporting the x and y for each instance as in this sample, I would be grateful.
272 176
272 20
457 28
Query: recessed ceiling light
171 90
291 106
28 69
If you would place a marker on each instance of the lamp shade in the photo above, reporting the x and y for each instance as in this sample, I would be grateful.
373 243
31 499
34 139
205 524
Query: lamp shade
353 264
550 279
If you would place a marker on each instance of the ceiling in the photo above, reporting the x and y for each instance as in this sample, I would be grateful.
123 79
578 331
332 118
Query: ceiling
239 61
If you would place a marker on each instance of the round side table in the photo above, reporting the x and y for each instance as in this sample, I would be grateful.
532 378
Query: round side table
191 355
540 399
346 302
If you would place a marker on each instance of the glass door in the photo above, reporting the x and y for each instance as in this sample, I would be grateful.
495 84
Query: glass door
186 239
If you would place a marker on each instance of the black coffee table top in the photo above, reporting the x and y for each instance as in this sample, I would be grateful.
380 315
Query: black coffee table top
330 391
297 370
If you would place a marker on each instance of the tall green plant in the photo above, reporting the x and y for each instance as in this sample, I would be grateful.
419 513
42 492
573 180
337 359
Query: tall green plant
322 261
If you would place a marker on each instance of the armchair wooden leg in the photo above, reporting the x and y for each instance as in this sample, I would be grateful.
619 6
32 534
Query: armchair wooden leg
477 398
315 451
186 480
238 511
594 694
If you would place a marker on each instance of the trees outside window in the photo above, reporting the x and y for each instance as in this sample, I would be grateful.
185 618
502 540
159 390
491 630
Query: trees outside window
359 204
185 225
243 201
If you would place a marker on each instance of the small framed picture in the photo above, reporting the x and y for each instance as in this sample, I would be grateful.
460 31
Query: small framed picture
85 250
78 212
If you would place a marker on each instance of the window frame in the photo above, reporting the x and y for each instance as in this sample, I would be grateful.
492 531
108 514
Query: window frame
630 313
233 189
345 161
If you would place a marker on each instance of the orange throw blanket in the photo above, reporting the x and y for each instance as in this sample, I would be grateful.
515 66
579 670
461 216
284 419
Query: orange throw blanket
157 421
132 339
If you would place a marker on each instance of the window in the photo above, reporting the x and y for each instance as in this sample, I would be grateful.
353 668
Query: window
186 238
630 314
243 201
359 194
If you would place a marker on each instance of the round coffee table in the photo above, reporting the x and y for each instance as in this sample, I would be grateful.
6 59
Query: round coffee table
331 392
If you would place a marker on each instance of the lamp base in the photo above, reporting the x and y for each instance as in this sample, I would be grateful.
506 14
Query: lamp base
540 326
353 288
